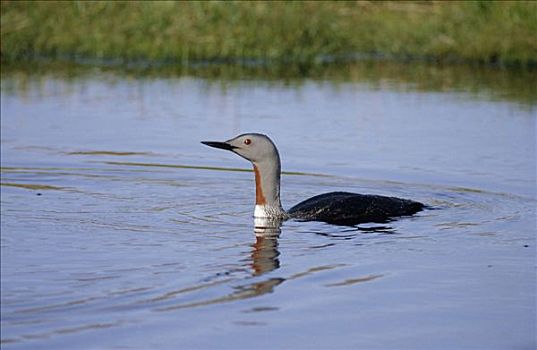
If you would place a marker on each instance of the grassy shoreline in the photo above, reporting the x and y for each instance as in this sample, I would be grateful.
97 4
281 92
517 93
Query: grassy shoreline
481 32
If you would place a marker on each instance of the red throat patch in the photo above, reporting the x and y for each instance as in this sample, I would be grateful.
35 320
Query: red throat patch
259 196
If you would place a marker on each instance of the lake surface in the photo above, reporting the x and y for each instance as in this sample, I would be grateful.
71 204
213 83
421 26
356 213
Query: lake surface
120 230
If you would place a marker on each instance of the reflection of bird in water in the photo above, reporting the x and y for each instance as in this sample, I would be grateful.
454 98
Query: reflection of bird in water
265 249
264 259
341 208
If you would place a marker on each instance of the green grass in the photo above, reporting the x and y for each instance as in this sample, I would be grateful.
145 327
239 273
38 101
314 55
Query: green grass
503 33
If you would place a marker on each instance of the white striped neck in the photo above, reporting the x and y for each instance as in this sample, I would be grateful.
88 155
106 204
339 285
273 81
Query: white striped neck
265 211
267 189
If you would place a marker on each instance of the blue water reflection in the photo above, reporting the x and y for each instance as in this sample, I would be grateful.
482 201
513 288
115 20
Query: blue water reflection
119 229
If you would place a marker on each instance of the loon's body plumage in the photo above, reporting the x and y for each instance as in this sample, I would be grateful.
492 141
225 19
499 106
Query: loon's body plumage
344 208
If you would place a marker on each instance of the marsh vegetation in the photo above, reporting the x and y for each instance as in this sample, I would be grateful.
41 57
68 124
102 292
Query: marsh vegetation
290 33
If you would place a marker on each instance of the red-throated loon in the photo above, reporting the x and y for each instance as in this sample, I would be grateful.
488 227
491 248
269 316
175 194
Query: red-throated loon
340 208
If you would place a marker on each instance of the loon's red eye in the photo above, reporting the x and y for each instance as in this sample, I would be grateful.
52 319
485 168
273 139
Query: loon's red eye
247 141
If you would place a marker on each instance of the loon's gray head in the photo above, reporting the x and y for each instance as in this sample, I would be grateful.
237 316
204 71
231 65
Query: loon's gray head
261 151
257 148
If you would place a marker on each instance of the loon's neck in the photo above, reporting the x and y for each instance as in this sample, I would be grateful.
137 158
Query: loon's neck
267 189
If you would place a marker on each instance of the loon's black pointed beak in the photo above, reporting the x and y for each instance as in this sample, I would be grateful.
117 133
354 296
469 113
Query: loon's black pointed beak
222 145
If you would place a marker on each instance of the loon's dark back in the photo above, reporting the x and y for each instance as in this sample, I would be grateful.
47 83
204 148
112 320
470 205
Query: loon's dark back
344 208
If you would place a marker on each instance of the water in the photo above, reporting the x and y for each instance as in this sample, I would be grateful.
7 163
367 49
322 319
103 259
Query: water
120 230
